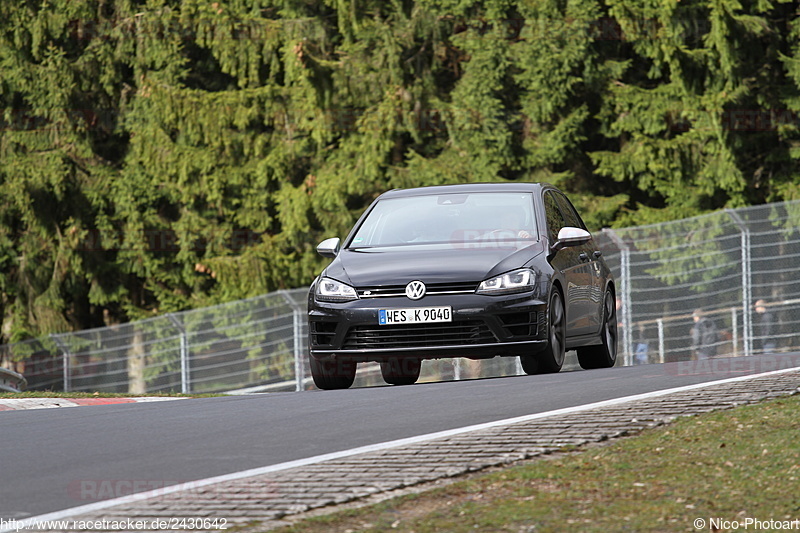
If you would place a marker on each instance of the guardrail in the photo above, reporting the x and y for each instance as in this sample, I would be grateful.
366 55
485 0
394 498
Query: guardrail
11 381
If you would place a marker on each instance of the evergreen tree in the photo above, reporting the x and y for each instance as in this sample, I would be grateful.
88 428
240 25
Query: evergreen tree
158 155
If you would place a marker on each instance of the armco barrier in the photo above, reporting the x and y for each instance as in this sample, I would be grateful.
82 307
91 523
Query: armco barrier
11 381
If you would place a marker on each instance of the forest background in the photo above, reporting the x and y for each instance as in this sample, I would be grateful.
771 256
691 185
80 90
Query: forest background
161 155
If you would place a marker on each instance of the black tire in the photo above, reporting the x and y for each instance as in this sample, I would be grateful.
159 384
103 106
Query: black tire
603 355
332 375
551 359
401 371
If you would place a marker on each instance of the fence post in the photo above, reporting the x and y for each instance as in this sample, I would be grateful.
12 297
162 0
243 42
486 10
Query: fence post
65 355
747 311
297 331
186 380
735 331
624 294
661 354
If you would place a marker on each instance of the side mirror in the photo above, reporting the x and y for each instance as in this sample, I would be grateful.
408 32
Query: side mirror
570 236
329 247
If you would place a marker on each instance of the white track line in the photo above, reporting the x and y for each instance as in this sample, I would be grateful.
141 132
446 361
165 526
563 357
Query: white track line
193 485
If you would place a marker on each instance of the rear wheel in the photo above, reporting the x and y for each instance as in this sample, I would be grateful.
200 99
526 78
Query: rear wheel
401 371
333 374
603 355
551 359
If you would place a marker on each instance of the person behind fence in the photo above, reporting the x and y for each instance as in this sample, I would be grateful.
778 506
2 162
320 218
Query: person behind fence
765 327
704 336
641 356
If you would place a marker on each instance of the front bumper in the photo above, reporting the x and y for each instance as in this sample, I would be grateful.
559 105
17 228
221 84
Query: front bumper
482 327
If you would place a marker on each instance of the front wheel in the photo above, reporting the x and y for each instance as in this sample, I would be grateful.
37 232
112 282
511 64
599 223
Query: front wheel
551 359
401 371
603 355
331 375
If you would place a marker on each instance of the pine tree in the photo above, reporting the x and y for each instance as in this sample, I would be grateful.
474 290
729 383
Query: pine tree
159 155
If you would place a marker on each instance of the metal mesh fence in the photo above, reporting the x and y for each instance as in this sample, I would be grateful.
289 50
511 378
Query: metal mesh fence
256 342
724 284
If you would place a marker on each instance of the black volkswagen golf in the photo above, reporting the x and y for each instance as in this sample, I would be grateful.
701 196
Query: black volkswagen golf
473 270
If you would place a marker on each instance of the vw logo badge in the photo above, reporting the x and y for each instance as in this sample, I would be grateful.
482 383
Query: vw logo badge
415 290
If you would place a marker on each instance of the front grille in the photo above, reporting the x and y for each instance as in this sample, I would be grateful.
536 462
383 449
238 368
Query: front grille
457 333
431 289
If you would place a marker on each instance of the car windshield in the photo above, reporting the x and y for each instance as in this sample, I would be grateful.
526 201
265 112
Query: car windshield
448 218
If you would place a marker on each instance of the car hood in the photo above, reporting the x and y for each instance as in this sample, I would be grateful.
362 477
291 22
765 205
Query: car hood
429 263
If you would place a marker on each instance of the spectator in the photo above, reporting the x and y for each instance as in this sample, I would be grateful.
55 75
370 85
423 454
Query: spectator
765 327
641 356
704 336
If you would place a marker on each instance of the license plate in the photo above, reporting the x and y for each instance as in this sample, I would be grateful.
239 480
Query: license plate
415 315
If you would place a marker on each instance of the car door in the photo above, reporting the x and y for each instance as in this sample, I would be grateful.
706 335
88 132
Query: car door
590 256
576 270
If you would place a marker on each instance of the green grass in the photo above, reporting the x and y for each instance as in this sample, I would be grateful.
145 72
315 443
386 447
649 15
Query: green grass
730 465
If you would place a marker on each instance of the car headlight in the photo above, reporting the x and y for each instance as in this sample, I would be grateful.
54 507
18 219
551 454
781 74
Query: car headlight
330 290
521 280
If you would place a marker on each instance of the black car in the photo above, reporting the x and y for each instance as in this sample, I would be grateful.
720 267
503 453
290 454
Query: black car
474 270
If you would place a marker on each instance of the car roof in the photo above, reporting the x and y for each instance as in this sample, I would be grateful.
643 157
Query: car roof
466 188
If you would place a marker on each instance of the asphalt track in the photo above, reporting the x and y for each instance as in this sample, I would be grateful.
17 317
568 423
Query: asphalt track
49 457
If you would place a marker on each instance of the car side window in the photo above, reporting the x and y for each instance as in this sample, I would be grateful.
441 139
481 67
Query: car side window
571 216
555 220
